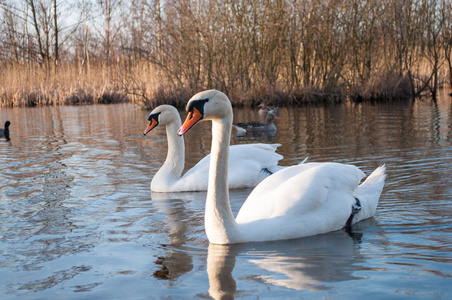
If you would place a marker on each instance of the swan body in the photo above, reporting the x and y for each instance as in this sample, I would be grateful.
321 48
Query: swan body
298 201
248 165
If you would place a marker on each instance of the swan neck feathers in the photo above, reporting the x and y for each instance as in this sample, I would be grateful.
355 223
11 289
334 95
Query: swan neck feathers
219 220
172 168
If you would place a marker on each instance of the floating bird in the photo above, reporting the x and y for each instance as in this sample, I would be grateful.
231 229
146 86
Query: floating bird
5 132
298 201
248 165
264 110
268 126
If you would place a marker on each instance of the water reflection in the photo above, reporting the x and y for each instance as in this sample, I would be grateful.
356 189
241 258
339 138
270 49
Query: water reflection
78 220
178 217
261 136
301 264
220 264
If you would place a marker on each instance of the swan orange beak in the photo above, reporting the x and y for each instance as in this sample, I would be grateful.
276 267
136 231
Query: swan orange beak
152 124
193 117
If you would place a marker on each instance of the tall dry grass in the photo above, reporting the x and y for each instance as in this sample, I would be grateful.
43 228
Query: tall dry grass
141 83
23 85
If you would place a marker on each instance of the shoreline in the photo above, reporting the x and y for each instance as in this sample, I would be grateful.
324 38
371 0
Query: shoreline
76 95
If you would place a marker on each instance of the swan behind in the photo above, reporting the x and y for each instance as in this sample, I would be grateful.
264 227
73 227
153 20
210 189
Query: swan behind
249 163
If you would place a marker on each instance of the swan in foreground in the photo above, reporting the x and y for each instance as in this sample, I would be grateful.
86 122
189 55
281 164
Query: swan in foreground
249 164
298 201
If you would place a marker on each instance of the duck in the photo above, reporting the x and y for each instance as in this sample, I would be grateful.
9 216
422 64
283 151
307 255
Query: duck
264 109
298 201
5 132
255 126
249 163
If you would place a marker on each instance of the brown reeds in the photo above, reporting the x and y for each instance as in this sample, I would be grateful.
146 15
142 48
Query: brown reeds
33 86
279 52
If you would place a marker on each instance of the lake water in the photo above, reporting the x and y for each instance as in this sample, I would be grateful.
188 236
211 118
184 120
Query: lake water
78 220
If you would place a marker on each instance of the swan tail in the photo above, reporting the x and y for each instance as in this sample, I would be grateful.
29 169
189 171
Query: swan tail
369 193
304 160
377 177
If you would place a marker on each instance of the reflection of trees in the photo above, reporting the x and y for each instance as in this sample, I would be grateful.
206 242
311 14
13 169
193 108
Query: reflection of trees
301 264
257 136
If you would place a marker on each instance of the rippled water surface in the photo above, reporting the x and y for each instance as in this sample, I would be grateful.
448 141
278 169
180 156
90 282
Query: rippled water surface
78 220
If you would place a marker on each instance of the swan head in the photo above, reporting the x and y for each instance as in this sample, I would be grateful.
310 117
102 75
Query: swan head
204 106
161 115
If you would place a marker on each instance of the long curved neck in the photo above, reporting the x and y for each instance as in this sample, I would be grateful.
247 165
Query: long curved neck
173 166
219 220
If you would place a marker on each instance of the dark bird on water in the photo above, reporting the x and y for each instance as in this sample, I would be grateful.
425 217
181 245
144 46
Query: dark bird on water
258 126
5 132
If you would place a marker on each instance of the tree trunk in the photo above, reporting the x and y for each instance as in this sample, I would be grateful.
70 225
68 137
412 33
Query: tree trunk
55 24
38 32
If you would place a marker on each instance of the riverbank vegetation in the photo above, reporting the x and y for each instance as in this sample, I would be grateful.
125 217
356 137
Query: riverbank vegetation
279 51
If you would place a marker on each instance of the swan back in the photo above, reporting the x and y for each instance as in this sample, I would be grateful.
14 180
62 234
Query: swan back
299 190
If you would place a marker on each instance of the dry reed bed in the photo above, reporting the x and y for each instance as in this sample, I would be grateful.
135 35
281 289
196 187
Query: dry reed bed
23 86
50 95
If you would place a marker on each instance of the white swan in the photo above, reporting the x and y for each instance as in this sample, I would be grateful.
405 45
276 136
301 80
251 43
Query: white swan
298 201
249 163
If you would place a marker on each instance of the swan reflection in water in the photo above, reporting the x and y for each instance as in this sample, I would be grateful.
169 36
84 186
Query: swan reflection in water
178 216
184 215
300 264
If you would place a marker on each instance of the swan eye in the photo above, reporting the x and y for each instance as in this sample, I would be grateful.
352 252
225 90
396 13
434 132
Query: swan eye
154 116
198 104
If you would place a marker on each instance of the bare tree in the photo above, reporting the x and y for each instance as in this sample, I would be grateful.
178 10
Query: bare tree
446 15
251 49
44 55
11 33
56 32
111 26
